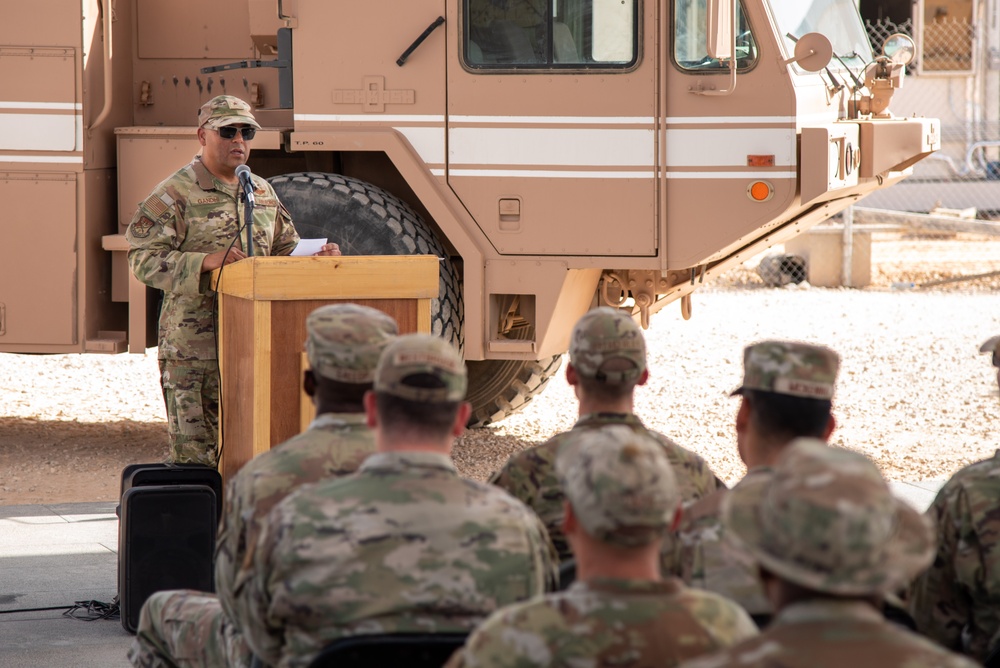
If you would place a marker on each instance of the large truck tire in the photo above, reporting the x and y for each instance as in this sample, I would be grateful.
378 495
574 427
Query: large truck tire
366 220
500 388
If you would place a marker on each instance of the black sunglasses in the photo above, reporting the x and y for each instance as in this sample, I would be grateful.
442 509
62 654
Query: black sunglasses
229 132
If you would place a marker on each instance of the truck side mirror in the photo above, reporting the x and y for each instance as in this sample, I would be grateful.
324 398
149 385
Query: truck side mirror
720 29
813 52
899 49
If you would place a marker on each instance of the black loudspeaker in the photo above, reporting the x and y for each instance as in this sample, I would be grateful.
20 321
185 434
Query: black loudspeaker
166 540
135 475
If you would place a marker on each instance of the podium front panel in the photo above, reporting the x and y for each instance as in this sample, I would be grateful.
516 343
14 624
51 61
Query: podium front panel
261 344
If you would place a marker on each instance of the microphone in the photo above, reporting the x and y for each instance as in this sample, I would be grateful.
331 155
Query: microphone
243 173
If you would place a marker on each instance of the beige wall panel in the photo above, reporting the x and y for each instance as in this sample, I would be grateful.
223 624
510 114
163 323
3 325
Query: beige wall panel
507 132
178 88
145 161
193 29
38 74
564 216
709 216
368 44
39 250
174 40
40 23
41 85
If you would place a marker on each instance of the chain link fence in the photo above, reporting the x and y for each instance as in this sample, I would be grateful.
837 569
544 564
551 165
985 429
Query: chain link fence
938 229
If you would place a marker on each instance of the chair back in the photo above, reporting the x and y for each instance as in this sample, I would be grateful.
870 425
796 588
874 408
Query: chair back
414 650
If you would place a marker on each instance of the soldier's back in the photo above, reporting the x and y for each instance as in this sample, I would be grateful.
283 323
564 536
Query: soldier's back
829 634
335 445
404 545
954 601
699 553
608 622
530 475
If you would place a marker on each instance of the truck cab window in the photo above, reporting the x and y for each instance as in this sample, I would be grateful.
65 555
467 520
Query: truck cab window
837 19
690 40
550 34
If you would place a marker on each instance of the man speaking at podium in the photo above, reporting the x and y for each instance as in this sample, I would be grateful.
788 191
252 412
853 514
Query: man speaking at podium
189 225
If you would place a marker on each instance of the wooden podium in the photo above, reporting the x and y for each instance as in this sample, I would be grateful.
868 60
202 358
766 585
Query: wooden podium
263 304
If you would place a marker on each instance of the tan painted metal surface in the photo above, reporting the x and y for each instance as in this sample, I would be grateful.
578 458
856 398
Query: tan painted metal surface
568 153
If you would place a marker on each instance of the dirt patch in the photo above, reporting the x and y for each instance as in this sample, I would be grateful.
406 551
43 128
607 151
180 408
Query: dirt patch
913 393
48 461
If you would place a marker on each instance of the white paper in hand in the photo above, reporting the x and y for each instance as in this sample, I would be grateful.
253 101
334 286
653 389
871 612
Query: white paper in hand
309 246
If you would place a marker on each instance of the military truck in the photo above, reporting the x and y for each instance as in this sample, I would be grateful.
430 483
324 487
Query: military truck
556 155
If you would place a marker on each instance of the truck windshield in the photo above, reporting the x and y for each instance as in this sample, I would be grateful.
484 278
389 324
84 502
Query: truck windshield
837 19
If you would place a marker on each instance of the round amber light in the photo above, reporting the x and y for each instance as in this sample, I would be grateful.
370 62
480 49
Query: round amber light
760 191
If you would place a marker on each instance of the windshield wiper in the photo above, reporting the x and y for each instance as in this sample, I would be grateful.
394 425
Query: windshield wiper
852 54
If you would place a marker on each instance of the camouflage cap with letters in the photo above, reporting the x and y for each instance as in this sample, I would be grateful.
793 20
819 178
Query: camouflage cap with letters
413 355
791 368
825 519
223 110
992 346
620 484
344 341
605 334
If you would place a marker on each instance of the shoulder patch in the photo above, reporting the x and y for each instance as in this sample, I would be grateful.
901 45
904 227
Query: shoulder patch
156 205
140 228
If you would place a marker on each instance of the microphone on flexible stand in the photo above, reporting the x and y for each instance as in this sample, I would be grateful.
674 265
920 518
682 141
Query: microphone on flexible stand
246 183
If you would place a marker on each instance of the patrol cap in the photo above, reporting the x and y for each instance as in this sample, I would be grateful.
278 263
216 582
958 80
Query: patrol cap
411 355
992 345
620 484
344 341
223 110
604 334
791 368
825 519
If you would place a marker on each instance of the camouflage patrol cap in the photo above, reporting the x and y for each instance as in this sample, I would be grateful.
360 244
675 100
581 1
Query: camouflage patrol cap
344 341
604 334
620 484
825 519
992 345
223 110
414 354
791 368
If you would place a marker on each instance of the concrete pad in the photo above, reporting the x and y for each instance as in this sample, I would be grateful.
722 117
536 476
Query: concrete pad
919 494
53 557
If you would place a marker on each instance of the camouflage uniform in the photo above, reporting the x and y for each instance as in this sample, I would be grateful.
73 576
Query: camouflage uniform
623 492
529 475
700 554
600 335
186 217
824 519
954 602
403 545
608 622
196 629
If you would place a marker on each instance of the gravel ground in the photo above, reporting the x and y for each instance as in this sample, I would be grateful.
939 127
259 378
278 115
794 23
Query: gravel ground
914 394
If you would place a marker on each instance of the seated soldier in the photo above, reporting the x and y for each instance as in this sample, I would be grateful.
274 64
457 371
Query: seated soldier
621 498
955 602
831 540
787 393
343 345
405 545
607 360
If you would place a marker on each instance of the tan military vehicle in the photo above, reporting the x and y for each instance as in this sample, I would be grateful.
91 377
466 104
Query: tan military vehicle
556 154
